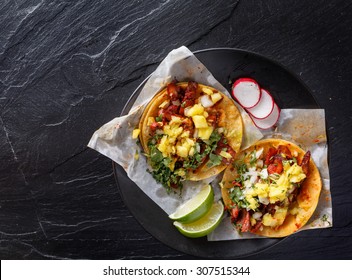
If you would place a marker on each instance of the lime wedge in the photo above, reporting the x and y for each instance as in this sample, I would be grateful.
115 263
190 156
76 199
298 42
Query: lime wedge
196 207
204 225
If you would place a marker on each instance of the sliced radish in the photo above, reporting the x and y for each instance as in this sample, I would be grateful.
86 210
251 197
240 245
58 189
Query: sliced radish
264 107
247 92
270 120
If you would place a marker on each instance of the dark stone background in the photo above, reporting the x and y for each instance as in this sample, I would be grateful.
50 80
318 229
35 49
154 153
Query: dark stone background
67 67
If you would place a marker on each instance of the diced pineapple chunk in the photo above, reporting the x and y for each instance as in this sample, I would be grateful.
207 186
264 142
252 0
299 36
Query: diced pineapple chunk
277 219
164 145
216 97
296 173
173 131
182 151
261 189
173 150
276 193
253 203
180 172
199 121
297 178
172 164
197 109
167 129
183 147
204 133
190 142
150 121
207 91
165 104
185 134
135 133
177 131
283 181
268 220
225 154
191 151
280 215
175 120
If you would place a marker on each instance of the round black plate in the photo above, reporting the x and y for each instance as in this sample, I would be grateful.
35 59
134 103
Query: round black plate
226 65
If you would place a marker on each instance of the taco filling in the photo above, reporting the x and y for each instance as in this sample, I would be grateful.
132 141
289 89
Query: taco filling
272 188
185 133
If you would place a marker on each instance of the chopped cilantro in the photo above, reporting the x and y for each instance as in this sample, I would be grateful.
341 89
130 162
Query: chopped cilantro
214 160
166 177
209 146
194 161
214 138
155 155
161 165
253 158
236 196
161 171
154 140
241 167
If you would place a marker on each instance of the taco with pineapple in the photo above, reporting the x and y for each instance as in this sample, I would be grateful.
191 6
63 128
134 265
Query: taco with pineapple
271 189
189 131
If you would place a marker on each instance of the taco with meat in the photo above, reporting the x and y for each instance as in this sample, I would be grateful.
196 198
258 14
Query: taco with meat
271 189
189 131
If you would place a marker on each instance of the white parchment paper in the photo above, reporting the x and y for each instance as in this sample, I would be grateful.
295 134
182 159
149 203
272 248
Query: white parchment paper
114 139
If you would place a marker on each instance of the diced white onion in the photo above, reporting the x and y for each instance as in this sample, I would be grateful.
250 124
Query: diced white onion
264 200
221 130
257 215
186 110
159 131
198 148
247 186
253 179
264 173
260 163
290 190
206 101
251 175
195 134
259 153
176 102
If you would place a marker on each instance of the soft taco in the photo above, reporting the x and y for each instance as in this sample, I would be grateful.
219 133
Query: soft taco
189 131
272 188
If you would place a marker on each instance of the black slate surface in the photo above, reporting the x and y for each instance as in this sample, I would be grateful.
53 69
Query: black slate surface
67 67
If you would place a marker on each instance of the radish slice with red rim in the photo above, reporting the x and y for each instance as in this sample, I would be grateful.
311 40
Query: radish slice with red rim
270 120
247 92
264 107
